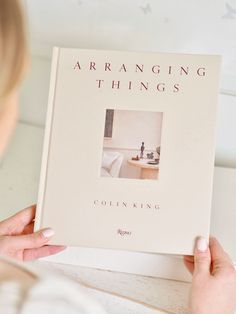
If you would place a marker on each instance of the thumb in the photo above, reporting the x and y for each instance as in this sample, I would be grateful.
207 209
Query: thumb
202 257
220 259
30 241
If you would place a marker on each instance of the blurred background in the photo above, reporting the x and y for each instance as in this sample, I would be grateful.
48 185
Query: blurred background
205 27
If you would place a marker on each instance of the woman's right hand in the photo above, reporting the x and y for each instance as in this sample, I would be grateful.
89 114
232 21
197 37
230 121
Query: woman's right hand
213 289
19 241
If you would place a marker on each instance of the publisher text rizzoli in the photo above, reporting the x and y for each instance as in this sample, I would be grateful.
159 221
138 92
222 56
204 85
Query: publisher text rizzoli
124 232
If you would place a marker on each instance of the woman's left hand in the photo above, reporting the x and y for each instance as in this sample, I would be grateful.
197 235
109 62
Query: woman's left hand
18 241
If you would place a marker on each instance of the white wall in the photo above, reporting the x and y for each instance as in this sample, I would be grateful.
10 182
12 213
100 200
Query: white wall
131 128
226 132
154 25
34 92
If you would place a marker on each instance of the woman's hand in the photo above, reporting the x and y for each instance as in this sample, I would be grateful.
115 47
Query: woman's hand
18 241
213 288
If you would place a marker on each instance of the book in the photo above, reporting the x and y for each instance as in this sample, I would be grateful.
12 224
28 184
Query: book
129 149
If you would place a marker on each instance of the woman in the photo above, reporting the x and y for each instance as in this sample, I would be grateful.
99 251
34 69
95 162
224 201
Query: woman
25 291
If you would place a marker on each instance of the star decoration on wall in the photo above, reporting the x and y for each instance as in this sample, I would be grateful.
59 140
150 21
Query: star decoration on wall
231 12
146 9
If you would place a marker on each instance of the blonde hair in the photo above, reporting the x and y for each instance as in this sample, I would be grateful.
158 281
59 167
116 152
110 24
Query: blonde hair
13 46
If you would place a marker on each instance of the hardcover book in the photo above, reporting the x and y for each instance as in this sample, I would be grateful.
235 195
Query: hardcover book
129 149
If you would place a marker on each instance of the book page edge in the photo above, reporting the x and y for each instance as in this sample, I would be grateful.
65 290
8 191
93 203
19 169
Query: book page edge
46 141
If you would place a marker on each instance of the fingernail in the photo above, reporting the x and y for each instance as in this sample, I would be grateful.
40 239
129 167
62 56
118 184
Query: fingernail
48 233
202 245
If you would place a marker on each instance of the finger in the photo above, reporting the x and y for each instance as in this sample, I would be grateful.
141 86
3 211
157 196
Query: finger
30 241
16 223
189 263
220 259
46 250
202 257
28 229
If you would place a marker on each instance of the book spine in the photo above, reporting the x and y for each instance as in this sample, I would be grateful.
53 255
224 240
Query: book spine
47 139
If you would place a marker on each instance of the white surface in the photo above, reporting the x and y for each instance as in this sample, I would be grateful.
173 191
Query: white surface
162 266
223 217
116 290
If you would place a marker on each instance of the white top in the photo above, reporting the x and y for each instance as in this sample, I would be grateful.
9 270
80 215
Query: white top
26 290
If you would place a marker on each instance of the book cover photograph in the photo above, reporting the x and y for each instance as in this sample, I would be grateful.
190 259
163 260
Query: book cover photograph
129 148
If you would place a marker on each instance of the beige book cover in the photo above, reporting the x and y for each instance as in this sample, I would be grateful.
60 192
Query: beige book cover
129 149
